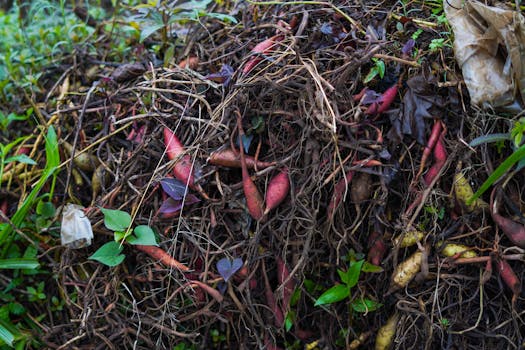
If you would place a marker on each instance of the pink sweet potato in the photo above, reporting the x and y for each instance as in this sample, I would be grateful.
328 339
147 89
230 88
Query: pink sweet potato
277 190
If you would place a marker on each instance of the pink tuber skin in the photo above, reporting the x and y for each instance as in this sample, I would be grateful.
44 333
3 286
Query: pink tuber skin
513 230
440 157
231 159
161 255
264 47
431 143
254 200
282 275
183 169
377 246
277 190
385 101
509 277
339 191
270 300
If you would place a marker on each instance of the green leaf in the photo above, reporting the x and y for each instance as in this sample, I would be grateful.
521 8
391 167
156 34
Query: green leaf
21 158
289 320
222 17
498 173
149 30
365 305
381 68
371 75
18 263
353 273
296 295
342 276
144 235
333 295
367 267
45 209
109 254
116 220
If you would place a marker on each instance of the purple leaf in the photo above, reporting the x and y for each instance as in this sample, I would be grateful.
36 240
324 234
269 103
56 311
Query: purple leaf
221 287
173 188
371 97
408 47
171 205
227 268
223 76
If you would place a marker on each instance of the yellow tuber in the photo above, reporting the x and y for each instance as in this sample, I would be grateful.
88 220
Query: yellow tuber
406 271
386 334
463 191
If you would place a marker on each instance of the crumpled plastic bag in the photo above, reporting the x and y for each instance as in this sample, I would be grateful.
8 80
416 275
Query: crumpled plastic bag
76 231
494 79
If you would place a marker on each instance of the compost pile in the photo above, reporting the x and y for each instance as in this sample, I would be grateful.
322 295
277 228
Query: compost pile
358 170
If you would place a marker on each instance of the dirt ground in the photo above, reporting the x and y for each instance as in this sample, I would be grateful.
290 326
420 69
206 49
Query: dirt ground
363 171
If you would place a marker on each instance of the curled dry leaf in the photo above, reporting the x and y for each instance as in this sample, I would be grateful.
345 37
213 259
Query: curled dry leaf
420 102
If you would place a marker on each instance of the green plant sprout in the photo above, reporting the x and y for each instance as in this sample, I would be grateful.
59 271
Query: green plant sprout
349 279
119 222
377 69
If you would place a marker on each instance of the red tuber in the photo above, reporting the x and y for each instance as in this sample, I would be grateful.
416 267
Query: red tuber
509 277
277 190
254 200
183 169
264 47
513 230
162 256
384 102
440 157
229 158
283 274
377 247
434 136
339 191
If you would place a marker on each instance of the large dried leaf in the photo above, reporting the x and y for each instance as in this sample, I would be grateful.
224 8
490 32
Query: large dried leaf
420 102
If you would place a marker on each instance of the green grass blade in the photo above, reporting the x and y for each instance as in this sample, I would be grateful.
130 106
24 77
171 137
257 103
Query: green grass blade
52 162
499 172
19 263
6 334
489 138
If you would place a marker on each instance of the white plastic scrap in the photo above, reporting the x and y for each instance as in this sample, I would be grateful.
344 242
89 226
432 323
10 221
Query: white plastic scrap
76 231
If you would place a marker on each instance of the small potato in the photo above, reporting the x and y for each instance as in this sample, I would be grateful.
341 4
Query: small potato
386 334
453 249
409 238
406 271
